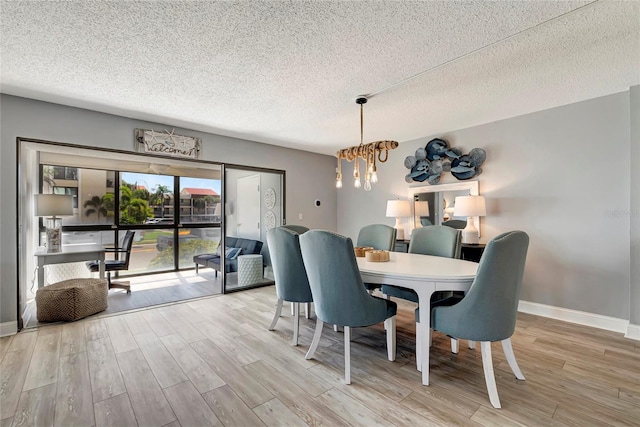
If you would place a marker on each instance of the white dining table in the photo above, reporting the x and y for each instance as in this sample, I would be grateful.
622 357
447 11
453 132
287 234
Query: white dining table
424 274
70 253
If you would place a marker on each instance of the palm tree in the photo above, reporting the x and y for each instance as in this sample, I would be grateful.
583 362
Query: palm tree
95 205
156 198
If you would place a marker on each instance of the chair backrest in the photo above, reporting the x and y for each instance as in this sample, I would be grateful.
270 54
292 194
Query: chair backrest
248 246
436 240
292 283
488 311
456 223
339 296
378 236
127 244
297 228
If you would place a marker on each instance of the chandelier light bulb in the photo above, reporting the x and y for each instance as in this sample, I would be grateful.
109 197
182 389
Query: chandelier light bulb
370 154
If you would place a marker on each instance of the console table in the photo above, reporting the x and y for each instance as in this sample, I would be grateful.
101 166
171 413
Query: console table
69 253
468 252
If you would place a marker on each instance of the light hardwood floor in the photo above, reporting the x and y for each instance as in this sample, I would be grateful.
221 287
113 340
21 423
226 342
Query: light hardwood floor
213 362
161 288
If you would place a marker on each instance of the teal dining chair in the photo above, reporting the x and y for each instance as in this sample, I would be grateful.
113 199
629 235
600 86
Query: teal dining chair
436 240
377 236
459 224
290 276
488 311
300 229
339 295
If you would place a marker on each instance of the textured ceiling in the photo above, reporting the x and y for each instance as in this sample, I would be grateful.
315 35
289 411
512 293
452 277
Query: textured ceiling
288 73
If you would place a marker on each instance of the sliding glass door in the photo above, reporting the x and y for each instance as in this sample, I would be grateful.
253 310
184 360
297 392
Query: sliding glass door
254 202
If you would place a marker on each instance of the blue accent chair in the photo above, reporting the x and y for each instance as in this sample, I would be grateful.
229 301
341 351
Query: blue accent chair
339 296
377 236
488 311
291 278
248 246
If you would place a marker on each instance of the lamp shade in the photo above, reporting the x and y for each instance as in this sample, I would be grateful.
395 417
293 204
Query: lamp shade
422 208
470 206
53 205
398 208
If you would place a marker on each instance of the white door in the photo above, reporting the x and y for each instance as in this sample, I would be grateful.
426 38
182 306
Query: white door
248 212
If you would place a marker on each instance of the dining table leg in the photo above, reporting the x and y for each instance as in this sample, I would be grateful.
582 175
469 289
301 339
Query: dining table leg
424 301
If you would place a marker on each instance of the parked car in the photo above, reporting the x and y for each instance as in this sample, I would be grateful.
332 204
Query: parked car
159 221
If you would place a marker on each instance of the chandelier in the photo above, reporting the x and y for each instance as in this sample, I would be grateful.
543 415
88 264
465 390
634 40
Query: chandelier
370 153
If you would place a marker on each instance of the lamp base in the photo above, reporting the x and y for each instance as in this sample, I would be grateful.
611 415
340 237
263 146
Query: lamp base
54 235
470 233
399 230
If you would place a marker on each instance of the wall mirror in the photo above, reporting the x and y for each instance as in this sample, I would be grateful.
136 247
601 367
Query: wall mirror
433 204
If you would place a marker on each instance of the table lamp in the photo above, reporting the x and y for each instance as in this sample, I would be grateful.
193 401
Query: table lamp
52 206
470 206
422 209
398 209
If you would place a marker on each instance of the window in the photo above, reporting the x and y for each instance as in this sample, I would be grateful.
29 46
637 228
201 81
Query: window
69 191
63 172
145 196
199 200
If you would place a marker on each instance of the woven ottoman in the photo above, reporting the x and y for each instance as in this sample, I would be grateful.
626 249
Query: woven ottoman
71 299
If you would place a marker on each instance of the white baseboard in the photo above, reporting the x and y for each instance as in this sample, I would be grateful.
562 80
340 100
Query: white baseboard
8 328
580 317
633 332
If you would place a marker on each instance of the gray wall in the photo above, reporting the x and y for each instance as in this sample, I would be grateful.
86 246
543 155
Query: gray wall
563 176
309 176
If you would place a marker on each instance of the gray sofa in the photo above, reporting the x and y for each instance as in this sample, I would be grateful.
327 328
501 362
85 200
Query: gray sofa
248 246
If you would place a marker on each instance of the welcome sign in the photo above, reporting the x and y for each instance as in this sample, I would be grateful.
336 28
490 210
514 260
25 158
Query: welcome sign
167 144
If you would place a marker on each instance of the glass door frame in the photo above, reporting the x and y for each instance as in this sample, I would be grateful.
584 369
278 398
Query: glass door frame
223 241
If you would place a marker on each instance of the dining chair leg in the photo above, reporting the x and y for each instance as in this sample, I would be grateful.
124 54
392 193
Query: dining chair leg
335 328
472 344
489 376
292 309
454 346
390 326
316 339
347 355
296 322
276 316
307 310
511 358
